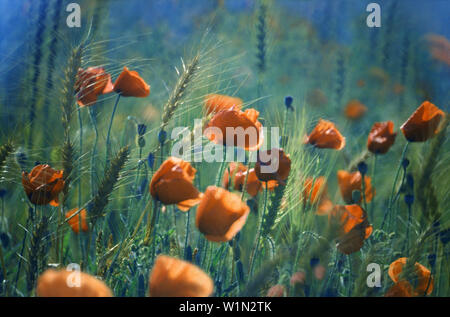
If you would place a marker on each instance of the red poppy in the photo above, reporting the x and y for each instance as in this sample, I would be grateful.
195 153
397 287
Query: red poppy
171 277
353 227
74 222
172 183
43 185
238 173
130 84
91 83
315 191
221 214
326 136
423 123
348 182
245 129
381 137
277 159
215 103
423 280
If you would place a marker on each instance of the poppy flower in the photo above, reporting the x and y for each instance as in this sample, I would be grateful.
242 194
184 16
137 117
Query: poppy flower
43 185
316 192
74 222
130 84
326 136
238 173
245 129
172 183
91 83
348 182
276 291
400 289
280 162
221 214
423 280
355 109
298 278
381 137
53 283
171 277
353 227
215 103
423 123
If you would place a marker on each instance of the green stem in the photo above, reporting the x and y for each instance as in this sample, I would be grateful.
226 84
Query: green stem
94 150
391 200
108 135
372 205
258 235
186 239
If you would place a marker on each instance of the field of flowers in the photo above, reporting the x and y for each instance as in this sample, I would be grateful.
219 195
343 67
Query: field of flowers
224 148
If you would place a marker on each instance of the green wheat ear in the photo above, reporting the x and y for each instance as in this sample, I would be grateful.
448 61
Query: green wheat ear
109 180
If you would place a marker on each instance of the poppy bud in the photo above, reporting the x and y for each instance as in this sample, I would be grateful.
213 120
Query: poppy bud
240 271
2 192
445 236
162 136
288 103
405 163
432 259
362 168
141 141
410 181
141 129
409 199
313 262
237 253
4 239
188 253
151 160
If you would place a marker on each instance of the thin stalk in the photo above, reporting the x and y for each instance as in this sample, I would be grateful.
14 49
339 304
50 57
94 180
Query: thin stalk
372 205
94 150
186 238
258 234
108 135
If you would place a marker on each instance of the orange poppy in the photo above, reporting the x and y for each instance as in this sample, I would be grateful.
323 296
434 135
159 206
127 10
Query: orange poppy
381 137
355 109
74 222
315 191
326 136
130 84
400 289
423 279
245 129
276 291
221 214
238 173
54 283
348 182
281 161
423 123
91 83
353 227
43 185
215 103
171 277
172 183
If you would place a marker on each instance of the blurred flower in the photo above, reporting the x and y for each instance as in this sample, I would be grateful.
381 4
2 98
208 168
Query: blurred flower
348 182
172 183
361 83
91 83
315 191
130 84
326 136
74 222
215 103
43 185
423 123
171 277
298 278
439 48
398 89
288 102
381 137
423 280
319 271
235 118
221 214
276 291
355 109
353 227
54 283
282 161
237 173
316 98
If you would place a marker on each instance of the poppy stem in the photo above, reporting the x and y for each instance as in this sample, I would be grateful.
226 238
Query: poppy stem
363 187
407 230
222 165
108 135
258 234
391 200
94 150
186 238
81 154
372 205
